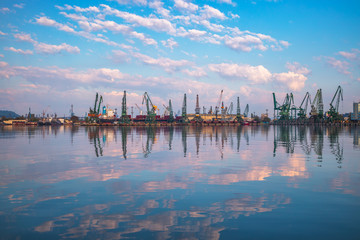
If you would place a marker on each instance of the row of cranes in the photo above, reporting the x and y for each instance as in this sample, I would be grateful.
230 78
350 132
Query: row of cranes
287 112
220 111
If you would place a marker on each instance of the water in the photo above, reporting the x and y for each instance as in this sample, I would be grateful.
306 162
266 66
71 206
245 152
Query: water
260 182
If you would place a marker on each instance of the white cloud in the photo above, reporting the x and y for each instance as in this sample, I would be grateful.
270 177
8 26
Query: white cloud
297 68
45 21
46 48
79 9
194 33
197 72
211 26
209 12
227 1
20 5
294 81
185 6
125 2
170 43
347 55
156 24
23 52
244 43
234 16
49 22
74 17
115 27
2 33
4 10
284 43
340 66
120 56
53 49
353 55
167 64
3 64
255 74
158 6
24 37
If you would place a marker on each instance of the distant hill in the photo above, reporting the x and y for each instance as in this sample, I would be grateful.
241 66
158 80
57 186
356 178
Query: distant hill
8 114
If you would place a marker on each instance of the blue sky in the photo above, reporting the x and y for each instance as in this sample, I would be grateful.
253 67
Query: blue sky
57 53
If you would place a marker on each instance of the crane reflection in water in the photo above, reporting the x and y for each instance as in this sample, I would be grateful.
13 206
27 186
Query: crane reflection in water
289 136
177 182
222 137
308 138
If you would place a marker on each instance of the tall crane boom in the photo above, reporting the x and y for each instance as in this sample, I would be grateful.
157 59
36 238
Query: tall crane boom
333 113
197 108
95 104
171 112
150 107
246 111
230 109
303 108
217 107
317 106
124 116
184 117
140 110
238 112
338 96
100 101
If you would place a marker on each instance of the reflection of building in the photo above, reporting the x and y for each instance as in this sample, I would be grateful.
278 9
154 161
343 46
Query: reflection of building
356 137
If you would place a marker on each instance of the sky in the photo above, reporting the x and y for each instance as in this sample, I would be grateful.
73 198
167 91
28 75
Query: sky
54 54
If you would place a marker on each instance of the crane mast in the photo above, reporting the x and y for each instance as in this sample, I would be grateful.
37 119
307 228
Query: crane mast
238 112
150 109
197 117
317 107
333 113
124 116
303 108
170 109
217 107
246 111
230 109
140 110
96 99
184 117
98 109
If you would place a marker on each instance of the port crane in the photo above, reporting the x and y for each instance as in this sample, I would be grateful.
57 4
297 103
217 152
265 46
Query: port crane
184 117
217 107
124 116
303 108
286 106
317 107
229 110
246 111
150 108
197 117
140 110
95 112
238 112
333 113
171 112
276 107
166 111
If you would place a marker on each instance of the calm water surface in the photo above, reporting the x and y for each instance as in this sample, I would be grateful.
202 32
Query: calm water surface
263 182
